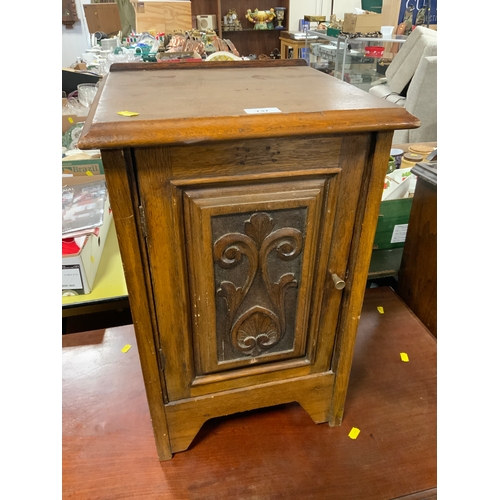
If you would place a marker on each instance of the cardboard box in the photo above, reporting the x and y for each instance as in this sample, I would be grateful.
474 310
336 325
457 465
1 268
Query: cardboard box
315 19
92 166
104 17
79 270
68 120
163 17
362 23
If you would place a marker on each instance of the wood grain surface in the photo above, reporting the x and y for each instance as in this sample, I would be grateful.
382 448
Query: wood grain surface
189 104
181 243
163 17
417 281
109 448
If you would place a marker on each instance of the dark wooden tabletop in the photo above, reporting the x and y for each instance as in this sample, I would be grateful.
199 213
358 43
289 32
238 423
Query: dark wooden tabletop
275 453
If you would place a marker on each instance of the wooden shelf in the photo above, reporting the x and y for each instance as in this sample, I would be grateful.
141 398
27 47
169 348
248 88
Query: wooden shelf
246 44
249 30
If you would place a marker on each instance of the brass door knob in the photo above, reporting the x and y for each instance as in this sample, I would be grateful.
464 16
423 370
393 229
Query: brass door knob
337 282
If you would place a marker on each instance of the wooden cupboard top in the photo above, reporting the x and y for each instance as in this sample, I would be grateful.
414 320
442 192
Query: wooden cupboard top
185 103
427 172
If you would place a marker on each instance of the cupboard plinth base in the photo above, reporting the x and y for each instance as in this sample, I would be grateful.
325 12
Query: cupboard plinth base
186 417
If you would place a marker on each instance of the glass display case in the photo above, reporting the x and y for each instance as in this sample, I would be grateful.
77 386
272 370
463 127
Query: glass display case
356 60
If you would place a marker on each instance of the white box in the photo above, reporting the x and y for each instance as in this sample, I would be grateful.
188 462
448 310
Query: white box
79 270
206 22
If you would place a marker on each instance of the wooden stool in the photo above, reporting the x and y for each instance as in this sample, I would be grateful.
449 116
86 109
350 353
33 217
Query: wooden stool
295 44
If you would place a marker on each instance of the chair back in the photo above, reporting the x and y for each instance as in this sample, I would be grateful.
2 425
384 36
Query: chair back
422 42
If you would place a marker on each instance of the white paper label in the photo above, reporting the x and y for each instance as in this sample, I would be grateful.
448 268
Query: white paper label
258 111
71 278
399 233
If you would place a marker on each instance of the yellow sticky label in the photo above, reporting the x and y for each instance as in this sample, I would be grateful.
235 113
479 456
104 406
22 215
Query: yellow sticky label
126 347
89 173
70 119
127 113
404 357
354 433
380 309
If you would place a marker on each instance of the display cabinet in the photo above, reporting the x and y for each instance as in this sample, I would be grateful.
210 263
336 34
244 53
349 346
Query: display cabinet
359 61
245 222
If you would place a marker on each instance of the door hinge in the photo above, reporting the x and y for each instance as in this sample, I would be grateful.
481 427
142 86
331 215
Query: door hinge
162 360
143 222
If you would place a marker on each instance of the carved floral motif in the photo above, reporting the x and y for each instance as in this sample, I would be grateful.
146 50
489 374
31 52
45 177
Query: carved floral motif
256 328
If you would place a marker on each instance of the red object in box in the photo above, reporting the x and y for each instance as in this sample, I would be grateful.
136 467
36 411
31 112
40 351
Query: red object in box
69 246
374 51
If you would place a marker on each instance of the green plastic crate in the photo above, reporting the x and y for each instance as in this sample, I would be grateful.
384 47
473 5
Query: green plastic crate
392 224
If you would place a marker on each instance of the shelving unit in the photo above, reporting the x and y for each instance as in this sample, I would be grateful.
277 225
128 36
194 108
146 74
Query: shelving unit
248 40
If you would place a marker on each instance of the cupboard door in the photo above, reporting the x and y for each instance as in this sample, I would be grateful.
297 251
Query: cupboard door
250 266
252 255
241 266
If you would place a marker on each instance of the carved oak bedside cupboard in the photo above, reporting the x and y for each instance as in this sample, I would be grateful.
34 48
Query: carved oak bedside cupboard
245 198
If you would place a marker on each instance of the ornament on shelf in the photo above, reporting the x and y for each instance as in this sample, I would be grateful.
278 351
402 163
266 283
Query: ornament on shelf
335 23
231 21
280 17
262 19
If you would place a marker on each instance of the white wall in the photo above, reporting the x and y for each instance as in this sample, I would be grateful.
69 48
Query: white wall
301 8
340 7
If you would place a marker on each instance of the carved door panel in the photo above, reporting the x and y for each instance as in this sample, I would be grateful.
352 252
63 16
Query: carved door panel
251 270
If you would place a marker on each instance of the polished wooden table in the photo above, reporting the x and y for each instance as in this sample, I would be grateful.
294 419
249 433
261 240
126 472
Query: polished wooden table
109 449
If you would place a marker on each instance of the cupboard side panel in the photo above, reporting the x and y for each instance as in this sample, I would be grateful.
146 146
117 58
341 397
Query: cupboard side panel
121 194
162 205
359 262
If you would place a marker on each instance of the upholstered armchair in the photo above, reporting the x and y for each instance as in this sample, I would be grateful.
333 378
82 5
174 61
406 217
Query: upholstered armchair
411 81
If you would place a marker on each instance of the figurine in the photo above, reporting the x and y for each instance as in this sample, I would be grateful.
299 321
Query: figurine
261 18
280 17
335 23
408 19
422 16
231 21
